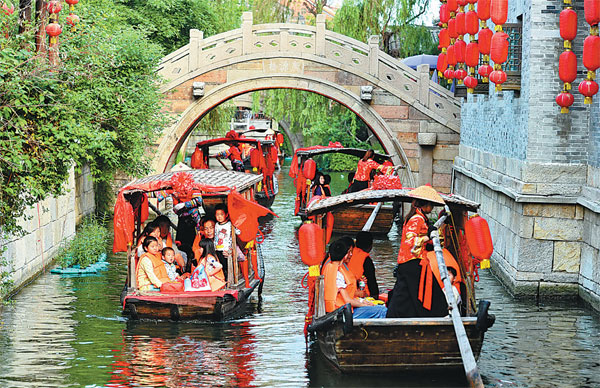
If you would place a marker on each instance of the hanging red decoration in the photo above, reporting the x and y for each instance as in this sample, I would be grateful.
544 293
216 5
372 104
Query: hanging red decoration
442 64
54 6
499 47
8 10
499 13
53 30
471 23
472 56
479 238
452 5
309 170
591 50
452 28
72 19
470 83
484 39
460 48
567 68
460 23
498 77
568 26
71 2
565 100
485 71
310 238
444 14
460 74
444 38
483 10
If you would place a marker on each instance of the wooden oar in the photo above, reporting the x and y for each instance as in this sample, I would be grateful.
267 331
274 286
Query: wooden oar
222 164
469 363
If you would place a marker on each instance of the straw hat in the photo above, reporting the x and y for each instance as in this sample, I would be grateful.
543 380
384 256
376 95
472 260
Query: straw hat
427 193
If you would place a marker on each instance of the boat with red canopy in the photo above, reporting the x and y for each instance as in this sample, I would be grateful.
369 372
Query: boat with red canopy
348 219
235 190
258 157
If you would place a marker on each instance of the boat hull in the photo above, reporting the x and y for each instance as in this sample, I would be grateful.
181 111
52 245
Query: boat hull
180 307
352 219
397 344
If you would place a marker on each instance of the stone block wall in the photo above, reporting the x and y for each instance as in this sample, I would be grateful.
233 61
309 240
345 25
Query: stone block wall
47 225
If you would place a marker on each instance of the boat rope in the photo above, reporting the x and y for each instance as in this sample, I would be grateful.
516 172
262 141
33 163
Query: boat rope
366 333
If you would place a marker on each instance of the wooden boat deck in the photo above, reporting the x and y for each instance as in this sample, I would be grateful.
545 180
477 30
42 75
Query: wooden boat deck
352 218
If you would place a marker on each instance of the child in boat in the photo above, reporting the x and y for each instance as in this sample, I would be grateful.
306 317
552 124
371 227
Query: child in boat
340 284
223 231
151 229
150 271
212 267
168 258
455 292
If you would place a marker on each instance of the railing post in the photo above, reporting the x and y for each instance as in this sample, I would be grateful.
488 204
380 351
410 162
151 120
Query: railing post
423 71
320 38
374 55
196 37
246 33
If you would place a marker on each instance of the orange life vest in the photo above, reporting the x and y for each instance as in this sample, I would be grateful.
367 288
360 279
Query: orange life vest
357 261
333 298
430 267
158 268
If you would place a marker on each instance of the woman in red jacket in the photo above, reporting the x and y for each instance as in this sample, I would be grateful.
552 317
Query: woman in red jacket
363 172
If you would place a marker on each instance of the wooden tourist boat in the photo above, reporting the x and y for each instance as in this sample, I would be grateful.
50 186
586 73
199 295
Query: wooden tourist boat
215 186
400 344
347 219
275 136
267 189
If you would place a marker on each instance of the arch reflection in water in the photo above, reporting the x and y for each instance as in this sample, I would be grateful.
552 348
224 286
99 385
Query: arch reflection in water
191 355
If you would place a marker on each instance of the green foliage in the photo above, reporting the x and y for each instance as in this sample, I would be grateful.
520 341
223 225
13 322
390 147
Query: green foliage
86 247
6 282
342 162
217 121
99 106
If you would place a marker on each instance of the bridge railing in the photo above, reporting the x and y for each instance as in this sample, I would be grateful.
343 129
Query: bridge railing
412 86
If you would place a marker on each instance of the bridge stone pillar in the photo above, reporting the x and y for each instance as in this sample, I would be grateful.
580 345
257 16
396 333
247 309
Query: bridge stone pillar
423 71
374 55
196 38
246 33
320 38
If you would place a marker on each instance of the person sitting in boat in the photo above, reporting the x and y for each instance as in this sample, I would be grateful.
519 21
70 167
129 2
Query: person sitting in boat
224 234
340 284
362 267
151 229
234 155
321 186
363 171
455 292
164 224
150 271
350 179
212 266
168 258
415 293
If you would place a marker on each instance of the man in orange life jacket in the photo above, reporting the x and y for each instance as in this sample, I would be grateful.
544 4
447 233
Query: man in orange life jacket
361 263
340 284
417 292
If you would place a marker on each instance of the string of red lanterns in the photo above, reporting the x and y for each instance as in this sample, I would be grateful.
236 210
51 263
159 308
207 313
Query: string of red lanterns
567 62
499 43
53 29
444 39
484 39
449 74
591 50
72 19
460 47
472 50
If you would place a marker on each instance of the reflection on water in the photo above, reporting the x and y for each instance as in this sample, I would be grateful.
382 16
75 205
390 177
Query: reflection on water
70 332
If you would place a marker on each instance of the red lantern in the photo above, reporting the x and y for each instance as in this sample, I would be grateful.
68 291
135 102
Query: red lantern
460 23
442 63
568 24
472 54
462 3
479 238
312 249
280 138
452 28
460 47
72 19
485 71
449 74
588 88
499 47
483 9
309 170
444 13
444 37
72 2
499 11
591 52
54 6
471 23
53 29
567 67
452 5
460 74
8 10
485 41
451 56
565 100
498 77
592 11
470 83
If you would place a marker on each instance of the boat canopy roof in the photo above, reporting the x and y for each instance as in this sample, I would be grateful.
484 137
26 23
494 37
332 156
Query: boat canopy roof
358 152
224 140
207 181
369 196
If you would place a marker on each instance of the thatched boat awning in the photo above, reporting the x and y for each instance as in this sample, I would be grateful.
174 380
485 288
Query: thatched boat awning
209 178
358 152
368 196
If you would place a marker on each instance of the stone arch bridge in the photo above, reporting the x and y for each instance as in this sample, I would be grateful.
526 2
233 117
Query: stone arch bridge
415 120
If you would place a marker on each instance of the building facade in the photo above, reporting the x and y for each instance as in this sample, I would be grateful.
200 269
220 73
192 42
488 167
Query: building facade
535 171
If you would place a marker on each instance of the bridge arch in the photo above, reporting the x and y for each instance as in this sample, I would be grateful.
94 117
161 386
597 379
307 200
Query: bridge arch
404 103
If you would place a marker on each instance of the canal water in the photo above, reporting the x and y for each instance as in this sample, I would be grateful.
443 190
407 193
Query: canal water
69 332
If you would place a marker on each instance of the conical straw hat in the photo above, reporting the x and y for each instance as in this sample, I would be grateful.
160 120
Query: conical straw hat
427 193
